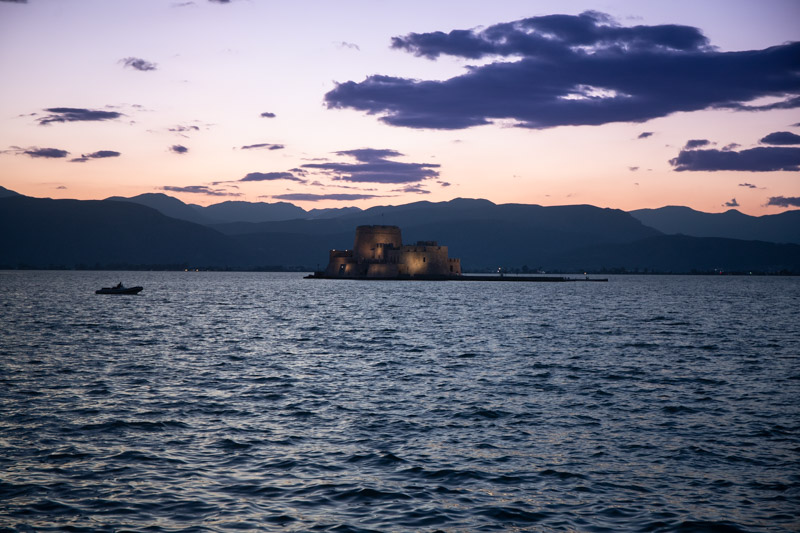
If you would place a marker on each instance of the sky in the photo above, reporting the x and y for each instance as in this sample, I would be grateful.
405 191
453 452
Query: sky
618 104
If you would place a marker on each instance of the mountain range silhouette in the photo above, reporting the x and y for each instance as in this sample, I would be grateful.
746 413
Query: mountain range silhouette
157 231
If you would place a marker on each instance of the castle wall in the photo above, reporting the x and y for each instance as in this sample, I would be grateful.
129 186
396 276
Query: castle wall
337 259
424 260
382 270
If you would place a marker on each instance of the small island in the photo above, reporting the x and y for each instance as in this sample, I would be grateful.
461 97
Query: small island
379 254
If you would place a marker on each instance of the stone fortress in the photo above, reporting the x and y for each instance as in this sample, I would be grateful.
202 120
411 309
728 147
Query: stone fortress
379 253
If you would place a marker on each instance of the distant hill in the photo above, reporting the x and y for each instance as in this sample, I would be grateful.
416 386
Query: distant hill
4 193
682 254
45 233
252 211
332 212
783 227
231 211
169 206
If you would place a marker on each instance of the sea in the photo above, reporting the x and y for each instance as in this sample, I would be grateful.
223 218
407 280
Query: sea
225 401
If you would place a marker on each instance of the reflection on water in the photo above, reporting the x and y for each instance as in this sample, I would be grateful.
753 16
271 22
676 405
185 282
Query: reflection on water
222 401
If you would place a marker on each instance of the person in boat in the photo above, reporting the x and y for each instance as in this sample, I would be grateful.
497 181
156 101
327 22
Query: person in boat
119 285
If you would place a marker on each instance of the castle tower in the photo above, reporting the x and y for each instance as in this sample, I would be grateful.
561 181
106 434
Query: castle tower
372 241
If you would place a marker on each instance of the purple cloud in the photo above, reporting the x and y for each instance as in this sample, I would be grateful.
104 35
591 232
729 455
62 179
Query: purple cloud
267 114
781 138
49 153
271 176
310 197
731 203
789 103
748 185
549 35
573 70
784 201
178 149
183 129
414 189
102 154
645 135
138 64
268 146
374 166
76 114
199 189
696 143
760 159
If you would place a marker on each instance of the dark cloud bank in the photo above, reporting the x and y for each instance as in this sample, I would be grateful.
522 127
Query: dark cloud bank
374 166
561 70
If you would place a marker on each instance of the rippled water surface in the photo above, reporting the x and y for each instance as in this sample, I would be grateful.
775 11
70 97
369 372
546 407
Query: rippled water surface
252 401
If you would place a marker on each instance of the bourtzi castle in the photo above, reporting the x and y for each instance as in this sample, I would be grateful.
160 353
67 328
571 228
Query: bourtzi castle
379 253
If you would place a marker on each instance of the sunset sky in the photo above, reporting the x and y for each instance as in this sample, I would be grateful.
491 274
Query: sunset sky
617 104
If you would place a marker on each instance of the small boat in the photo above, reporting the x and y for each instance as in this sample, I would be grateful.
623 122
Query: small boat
119 288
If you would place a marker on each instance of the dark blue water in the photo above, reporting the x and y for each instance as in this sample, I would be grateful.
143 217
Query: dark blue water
248 401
